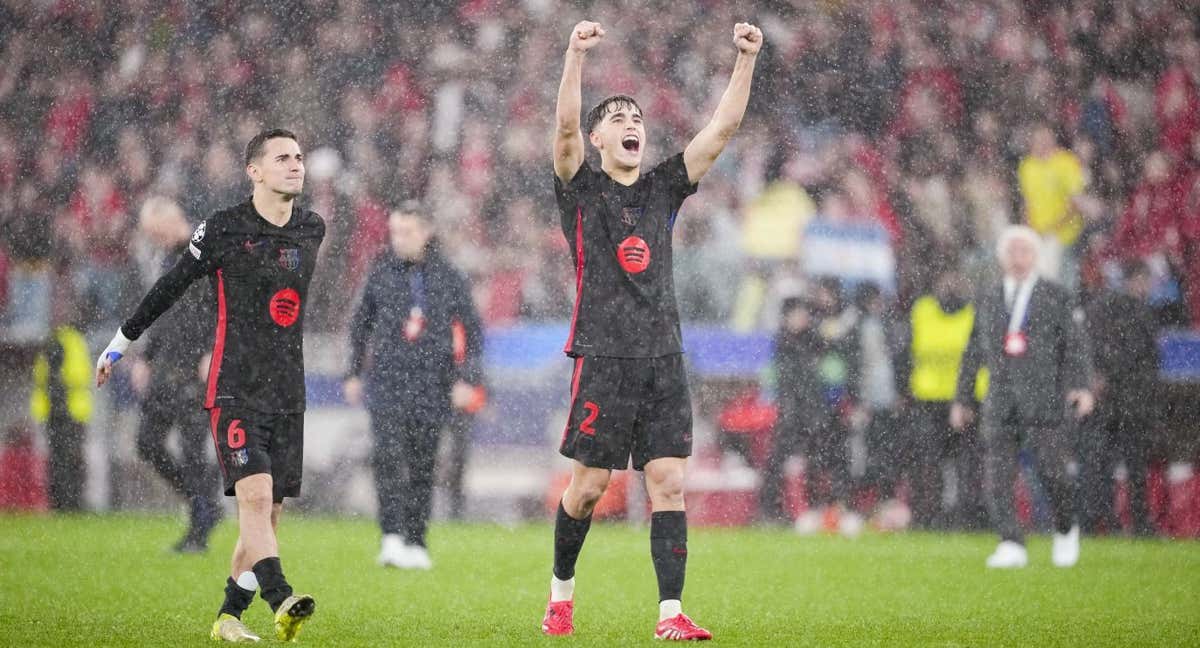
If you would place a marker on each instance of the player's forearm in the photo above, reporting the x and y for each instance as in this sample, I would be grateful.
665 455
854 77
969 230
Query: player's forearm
165 292
732 107
570 94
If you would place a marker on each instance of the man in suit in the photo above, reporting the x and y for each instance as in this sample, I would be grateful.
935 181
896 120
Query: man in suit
1029 335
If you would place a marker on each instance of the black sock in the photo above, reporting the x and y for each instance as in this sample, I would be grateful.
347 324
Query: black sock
236 599
569 534
273 586
668 551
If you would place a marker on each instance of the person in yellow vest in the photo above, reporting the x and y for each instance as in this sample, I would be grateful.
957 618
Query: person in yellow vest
939 327
62 403
1052 182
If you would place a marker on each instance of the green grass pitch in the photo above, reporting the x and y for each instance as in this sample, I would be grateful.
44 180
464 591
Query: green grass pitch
108 580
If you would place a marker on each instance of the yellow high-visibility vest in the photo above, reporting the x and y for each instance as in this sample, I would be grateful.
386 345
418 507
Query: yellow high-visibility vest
939 340
75 373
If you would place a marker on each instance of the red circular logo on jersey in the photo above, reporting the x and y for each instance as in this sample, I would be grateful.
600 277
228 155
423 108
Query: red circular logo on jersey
285 307
633 255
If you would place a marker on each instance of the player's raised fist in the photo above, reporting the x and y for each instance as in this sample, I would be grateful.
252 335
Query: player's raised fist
747 38
585 35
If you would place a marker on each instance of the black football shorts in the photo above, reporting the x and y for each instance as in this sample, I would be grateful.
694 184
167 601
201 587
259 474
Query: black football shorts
252 443
623 407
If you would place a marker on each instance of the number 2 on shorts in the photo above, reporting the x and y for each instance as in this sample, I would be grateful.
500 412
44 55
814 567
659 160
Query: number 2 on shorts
593 411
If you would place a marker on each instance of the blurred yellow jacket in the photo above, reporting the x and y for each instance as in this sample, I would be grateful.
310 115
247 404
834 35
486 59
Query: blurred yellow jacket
775 220
75 375
1048 185
939 340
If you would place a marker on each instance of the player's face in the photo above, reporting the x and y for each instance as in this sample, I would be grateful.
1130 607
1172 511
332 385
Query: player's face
621 136
409 235
280 168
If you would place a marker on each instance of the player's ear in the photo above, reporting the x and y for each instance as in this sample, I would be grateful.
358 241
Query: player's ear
594 138
254 172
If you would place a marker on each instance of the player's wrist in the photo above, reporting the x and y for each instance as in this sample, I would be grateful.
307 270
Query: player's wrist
116 349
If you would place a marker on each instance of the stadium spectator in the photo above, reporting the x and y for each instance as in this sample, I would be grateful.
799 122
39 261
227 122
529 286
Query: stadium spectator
1051 180
876 413
803 412
1124 337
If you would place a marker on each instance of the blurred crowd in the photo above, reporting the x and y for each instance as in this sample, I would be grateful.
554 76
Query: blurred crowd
885 140
885 147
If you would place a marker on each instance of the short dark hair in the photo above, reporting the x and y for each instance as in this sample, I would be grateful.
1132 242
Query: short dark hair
255 148
596 115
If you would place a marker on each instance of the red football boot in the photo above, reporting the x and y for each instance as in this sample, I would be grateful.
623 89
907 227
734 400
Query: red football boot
557 621
680 628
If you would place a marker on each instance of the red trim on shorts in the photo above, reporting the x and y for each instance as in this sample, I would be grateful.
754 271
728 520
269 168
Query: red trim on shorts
214 366
215 415
578 275
574 396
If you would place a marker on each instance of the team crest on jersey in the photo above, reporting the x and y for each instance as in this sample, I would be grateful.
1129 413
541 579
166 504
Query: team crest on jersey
289 259
631 215
239 457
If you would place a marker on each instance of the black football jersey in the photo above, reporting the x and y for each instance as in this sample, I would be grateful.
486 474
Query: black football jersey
259 275
620 240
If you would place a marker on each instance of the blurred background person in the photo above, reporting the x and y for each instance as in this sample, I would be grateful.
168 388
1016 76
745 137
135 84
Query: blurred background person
938 328
170 375
402 367
800 397
1028 335
1052 181
876 413
62 403
1124 336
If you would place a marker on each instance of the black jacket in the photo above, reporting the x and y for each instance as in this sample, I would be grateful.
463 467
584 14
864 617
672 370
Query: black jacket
1029 389
415 376
799 387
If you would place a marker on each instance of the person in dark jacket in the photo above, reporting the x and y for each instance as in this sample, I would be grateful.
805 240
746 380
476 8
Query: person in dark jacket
1028 335
169 377
807 422
403 366
1125 351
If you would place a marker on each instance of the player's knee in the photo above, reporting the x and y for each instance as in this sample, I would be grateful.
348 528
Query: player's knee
666 486
587 491
589 494
257 500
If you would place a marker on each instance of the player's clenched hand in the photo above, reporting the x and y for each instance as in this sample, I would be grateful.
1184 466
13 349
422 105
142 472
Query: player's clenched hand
585 35
747 38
